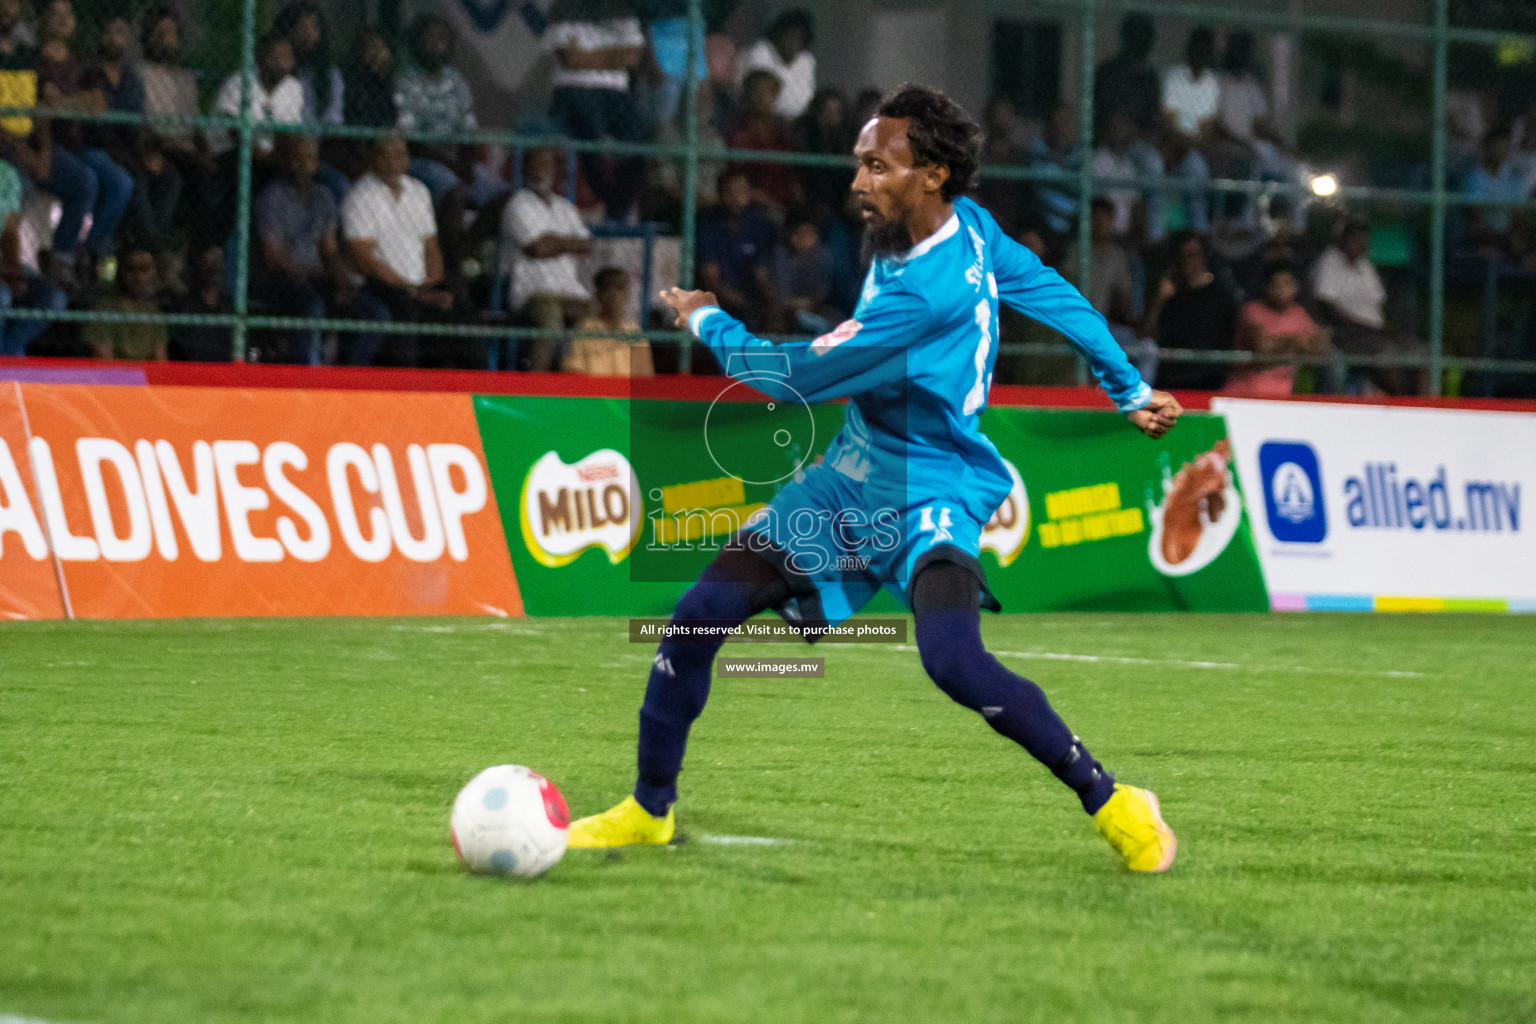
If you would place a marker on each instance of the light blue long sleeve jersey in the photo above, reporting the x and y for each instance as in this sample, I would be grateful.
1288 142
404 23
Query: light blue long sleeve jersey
916 359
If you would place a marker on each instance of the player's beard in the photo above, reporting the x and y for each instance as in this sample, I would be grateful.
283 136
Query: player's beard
884 238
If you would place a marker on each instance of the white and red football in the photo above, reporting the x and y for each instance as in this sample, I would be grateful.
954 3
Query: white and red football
509 820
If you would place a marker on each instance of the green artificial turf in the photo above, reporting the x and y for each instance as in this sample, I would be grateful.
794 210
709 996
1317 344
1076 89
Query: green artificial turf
210 821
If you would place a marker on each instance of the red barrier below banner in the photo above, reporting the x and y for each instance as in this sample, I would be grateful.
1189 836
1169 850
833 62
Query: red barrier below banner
488 382
672 388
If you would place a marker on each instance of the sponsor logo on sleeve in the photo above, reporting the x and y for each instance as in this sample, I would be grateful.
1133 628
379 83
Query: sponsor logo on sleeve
839 334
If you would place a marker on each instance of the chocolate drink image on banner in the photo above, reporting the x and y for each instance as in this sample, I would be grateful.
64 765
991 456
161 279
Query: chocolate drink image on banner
1199 515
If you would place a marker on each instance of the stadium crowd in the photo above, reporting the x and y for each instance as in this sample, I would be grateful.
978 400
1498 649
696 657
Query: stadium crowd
399 229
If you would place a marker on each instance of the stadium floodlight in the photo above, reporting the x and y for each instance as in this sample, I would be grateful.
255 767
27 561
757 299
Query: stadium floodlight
1324 185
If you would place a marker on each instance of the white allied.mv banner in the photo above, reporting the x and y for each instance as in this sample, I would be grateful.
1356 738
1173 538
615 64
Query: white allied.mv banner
1358 507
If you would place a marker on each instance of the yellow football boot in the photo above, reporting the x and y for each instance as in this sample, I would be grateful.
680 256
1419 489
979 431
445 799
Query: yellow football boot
1133 824
624 824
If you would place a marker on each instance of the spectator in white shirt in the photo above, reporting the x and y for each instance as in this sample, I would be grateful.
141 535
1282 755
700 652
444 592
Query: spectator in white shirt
1249 141
785 52
1191 97
544 234
276 96
1345 282
1352 300
1242 107
1191 91
392 239
596 43
1111 159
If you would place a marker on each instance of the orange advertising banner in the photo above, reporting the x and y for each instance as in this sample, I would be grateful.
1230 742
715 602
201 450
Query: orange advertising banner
28 586
135 502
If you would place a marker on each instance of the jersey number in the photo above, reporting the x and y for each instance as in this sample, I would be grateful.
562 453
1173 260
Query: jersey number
977 397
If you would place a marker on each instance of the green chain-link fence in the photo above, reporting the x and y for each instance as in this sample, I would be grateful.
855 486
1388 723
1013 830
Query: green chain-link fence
200 234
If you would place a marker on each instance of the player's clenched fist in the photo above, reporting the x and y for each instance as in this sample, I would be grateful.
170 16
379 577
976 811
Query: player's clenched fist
1159 414
686 302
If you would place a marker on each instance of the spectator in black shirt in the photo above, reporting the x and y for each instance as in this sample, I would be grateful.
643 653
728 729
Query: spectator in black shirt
300 271
1192 309
368 99
368 96
121 88
1127 81
736 245
155 216
196 342
157 184
865 104
1004 143
802 273
302 23
83 176
824 128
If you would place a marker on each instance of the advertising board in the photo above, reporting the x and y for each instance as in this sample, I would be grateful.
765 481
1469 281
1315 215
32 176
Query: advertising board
1364 508
163 502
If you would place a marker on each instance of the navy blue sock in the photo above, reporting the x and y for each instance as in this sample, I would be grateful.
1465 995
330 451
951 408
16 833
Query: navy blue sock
679 686
949 640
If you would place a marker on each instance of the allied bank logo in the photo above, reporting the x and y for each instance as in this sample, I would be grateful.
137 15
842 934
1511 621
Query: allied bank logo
1293 492
1295 499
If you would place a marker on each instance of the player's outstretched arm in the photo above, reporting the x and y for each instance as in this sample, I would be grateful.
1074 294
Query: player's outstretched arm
1160 413
1040 293
857 356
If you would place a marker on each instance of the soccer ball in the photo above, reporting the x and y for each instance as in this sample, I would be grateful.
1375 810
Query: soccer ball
509 820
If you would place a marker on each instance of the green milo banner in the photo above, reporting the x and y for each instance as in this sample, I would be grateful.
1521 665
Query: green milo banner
593 495
1103 519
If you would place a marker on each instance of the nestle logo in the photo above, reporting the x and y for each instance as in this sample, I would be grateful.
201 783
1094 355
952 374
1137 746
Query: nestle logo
1293 492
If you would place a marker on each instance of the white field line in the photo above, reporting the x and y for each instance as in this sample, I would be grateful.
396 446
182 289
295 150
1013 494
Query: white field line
468 627
1177 663
6 1018
706 837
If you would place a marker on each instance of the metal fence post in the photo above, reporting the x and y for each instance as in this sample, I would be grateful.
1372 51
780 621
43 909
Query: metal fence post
1085 166
1436 382
690 166
243 197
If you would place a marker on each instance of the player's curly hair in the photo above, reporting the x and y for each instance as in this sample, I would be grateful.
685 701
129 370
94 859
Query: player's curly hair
941 134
